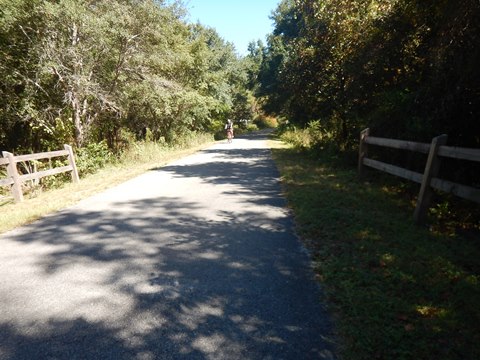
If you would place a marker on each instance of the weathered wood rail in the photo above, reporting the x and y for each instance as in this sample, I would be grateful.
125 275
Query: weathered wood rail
428 180
15 180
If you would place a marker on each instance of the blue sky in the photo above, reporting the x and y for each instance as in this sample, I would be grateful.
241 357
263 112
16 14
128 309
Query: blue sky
237 21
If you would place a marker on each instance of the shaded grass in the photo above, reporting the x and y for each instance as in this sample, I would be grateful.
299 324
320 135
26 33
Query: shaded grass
133 163
399 291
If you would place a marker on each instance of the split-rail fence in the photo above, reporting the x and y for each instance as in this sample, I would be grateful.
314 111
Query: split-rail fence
15 179
436 150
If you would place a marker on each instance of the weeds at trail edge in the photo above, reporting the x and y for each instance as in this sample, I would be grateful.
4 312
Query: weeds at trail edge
398 291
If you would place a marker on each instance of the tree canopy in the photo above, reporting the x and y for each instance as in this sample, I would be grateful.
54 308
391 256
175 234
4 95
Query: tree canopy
84 71
405 68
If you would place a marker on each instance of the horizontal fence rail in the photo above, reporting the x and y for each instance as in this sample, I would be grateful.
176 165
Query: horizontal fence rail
16 180
6 182
398 144
428 180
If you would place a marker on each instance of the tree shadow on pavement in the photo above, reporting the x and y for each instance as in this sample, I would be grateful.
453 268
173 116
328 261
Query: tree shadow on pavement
157 280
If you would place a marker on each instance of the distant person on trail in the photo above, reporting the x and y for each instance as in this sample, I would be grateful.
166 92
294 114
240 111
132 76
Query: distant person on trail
229 130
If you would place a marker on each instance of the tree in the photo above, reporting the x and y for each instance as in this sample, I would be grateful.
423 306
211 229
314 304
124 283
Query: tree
20 24
402 67
93 70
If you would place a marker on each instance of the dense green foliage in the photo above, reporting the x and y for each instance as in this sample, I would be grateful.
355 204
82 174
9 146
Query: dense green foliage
405 68
85 71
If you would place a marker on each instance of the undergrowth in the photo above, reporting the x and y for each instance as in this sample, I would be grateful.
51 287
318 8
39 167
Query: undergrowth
99 169
399 291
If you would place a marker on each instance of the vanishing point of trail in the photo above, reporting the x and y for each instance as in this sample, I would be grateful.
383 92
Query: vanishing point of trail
194 260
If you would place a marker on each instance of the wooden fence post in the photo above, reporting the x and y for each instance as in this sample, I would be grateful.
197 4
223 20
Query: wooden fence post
71 161
362 150
13 173
431 170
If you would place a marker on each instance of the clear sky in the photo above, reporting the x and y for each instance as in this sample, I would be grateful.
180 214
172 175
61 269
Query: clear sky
236 21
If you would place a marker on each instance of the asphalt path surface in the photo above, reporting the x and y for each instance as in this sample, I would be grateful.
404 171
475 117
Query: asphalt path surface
194 260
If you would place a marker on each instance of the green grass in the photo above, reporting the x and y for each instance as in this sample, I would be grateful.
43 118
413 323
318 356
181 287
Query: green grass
398 291
141 158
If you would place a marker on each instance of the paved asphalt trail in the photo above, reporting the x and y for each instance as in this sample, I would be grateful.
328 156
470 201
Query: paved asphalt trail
195 260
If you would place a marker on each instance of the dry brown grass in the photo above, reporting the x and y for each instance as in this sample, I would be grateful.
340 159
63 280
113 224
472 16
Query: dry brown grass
41 203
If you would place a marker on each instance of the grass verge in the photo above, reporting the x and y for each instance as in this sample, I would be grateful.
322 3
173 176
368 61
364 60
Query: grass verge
135 162
398 291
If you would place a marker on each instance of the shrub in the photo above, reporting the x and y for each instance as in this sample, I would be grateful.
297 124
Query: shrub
264 122
190 139
93 157
314 137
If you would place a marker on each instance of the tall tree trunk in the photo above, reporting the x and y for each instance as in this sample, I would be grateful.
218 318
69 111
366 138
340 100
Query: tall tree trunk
77 121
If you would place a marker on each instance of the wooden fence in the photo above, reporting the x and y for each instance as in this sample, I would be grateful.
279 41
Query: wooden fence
436 150
15 179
